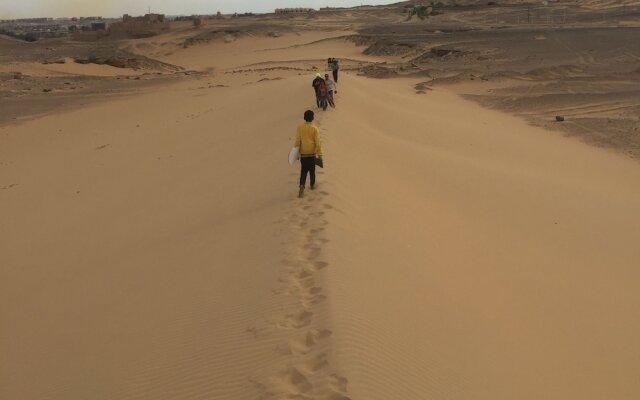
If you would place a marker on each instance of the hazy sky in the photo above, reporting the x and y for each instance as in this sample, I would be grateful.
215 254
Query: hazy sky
61 8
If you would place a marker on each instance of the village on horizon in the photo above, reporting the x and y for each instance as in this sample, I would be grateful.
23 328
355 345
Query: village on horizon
91 27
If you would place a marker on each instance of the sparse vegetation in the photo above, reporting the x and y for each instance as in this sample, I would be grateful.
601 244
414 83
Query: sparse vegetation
424 11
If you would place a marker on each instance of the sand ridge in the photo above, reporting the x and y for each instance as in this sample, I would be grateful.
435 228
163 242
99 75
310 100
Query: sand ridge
476 227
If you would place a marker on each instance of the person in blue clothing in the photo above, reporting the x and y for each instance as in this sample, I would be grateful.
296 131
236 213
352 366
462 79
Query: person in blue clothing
333 65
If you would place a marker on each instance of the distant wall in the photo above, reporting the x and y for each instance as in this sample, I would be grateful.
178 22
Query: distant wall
293 10
88 36
139 27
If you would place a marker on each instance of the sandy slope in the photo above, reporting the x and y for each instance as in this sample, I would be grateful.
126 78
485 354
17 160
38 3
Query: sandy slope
251 51
152 248
477 257
68 68
139 247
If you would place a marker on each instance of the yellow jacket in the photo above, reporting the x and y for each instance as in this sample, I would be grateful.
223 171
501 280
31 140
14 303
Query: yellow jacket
308 139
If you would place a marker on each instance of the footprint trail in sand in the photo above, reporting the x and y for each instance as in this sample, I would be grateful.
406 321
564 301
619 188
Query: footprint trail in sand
302 367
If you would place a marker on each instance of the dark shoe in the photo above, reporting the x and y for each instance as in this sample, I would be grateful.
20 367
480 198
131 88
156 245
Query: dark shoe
301 192
313 187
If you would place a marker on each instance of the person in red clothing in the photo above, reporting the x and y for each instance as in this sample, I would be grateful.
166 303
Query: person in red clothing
320 88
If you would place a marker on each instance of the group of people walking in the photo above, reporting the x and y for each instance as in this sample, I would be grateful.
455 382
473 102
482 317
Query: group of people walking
325 88
308 135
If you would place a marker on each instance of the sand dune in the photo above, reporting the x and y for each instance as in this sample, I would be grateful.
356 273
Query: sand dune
153 246
252 50
124 189
478 241
68 68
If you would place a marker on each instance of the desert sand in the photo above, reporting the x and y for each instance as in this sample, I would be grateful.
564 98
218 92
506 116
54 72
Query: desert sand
153 245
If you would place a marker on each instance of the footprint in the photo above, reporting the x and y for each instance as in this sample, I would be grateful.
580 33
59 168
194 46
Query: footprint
327 206
253 331
290 263
302 274
296 380
311 301
318 363
315 290
294 291
338 396
314 253
320 264
305 283
298 320
310 244
339 382
304 343
313 296
314 239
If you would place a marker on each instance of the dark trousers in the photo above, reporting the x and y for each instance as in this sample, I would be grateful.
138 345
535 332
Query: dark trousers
335 75
307 165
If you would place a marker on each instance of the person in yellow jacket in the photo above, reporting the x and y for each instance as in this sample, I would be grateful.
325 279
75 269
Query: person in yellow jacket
308 140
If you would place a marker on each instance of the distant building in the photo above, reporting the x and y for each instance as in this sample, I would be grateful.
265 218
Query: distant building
147 19
32 20
32 29
293 10
98 26
146 26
